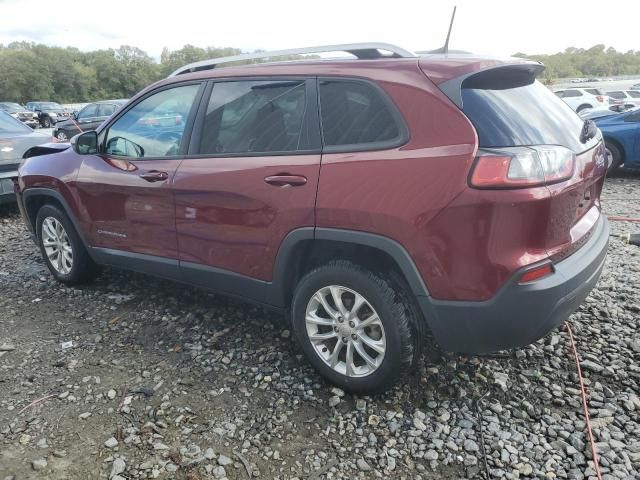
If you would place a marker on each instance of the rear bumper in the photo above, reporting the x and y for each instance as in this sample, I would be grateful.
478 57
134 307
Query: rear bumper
519 314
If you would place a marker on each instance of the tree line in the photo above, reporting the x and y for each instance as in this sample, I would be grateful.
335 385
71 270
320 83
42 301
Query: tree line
30 71
597 61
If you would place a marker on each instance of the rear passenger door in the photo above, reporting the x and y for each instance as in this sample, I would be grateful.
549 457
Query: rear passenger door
249 179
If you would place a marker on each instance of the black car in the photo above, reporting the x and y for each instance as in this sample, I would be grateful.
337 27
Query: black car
48 112
89 118
21 113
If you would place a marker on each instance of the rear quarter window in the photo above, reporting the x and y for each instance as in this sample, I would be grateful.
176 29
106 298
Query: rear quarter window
357 115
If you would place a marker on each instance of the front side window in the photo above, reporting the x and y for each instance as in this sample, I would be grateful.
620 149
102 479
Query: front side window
255 117
354 113
634 94
572 93
153 127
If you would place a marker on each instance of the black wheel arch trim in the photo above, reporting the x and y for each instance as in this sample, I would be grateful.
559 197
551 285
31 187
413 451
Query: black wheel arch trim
33 192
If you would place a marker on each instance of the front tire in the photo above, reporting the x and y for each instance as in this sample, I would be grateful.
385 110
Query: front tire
616 156
62 249
61 136
353 327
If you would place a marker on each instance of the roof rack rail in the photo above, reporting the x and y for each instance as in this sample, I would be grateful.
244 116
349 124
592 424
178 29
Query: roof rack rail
363 51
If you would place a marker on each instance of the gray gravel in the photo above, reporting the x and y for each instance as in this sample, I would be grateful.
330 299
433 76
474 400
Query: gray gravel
165 381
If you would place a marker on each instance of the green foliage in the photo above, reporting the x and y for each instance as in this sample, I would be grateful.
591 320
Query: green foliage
30 71
597 61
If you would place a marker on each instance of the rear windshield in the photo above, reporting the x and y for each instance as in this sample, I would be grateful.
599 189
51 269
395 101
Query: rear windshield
8 124
525 115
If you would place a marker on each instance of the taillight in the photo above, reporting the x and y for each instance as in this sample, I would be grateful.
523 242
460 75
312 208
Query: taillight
600 98
521 167
536 273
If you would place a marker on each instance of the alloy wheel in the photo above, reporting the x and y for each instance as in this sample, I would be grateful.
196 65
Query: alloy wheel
345 331
61 136
57 245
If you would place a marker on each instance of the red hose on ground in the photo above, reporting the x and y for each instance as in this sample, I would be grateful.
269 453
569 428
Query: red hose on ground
583 394
616 218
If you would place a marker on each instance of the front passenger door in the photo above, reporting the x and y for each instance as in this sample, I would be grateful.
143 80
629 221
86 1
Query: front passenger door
126 188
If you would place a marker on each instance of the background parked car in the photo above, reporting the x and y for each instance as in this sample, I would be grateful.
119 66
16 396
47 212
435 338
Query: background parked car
622 137
629 97
15 139
16 110
89 118
48 112
635 86
582 98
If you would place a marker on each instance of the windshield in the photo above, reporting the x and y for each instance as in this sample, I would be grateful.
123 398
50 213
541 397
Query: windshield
51 106
524 115
11 107
8 124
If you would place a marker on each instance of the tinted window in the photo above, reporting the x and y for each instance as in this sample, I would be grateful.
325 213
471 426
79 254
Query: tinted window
153 127
8 124
88 111
572 93
593 91
255 117
633 94
526 115
106 109
619 95
354 113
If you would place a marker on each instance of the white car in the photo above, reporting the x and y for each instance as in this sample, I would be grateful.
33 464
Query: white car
629 97
582 98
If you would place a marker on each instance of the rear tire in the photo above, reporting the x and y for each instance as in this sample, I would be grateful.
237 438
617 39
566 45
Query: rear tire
62 249
363 349
46 122
616 156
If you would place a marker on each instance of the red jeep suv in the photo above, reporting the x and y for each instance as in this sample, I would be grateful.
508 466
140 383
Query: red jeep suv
372 199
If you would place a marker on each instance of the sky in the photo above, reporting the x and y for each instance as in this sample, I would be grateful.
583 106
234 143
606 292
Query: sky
498 28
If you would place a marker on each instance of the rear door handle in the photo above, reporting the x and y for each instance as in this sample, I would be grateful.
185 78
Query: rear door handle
286 180
154 176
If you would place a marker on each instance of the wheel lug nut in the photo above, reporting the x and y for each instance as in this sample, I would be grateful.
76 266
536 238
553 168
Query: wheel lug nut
354 336
345 339
340 319
352 324
335 329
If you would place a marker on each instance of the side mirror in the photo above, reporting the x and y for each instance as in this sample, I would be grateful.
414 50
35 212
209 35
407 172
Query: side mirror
85 143
75 114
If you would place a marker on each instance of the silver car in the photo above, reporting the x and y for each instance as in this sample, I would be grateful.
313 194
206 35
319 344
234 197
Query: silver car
15 139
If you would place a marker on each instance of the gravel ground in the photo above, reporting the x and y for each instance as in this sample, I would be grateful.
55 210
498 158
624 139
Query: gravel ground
164 381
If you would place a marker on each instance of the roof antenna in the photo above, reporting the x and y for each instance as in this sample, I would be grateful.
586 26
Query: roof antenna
445 48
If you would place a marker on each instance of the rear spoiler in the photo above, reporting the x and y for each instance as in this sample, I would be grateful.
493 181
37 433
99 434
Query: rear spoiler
495 77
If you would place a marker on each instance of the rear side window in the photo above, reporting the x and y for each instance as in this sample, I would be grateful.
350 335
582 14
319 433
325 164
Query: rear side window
356 116
633 94
106 110
593 91
572 93
523 115
255 117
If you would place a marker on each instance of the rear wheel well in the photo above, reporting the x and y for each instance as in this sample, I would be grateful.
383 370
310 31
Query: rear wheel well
310 254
